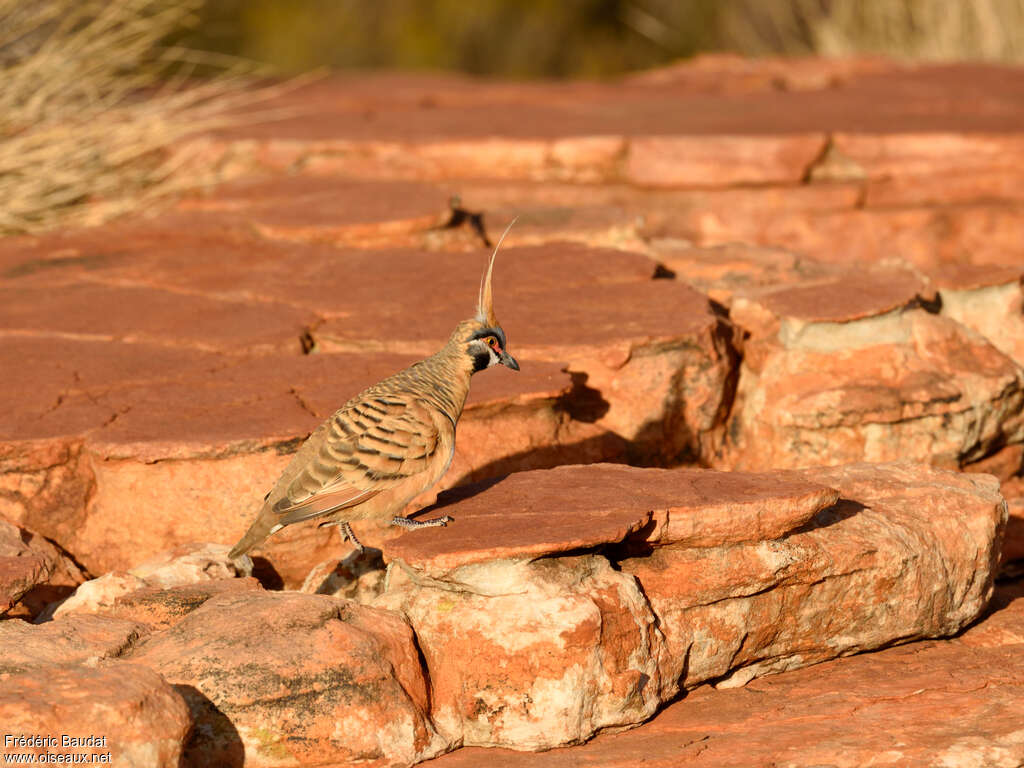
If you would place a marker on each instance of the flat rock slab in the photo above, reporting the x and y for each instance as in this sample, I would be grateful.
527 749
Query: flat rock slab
734 576
144 313
725 271
887 708
162 607
843 298
148 401
531 514
323 209
201 444
74 640
862 571
614 362
697 101
530 283
266 286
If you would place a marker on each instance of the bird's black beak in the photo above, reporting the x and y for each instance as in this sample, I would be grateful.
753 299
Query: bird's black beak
508 361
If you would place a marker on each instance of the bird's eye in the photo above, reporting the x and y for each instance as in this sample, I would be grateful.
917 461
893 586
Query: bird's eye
492 342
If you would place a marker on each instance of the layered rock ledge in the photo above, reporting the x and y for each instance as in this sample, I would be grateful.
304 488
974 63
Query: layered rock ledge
762 266
582 612
888 708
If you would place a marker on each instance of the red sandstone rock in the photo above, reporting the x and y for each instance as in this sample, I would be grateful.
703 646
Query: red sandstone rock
229 434
521 275
144 314
932 154
889 708
946 187
648 382
291 679
318 209
774 216
1006 463
187 564
732 73
75 640
21 568
142 427
141 720
1013 541
725 270
685 507
837 299
989 301
510 423
721 160
832 376
46 485
735 612
532 654
749 574
159 607
826 223
216 413
880 97
1003 621
32 571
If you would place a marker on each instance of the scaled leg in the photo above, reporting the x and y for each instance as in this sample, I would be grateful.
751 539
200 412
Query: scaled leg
434 522
346 531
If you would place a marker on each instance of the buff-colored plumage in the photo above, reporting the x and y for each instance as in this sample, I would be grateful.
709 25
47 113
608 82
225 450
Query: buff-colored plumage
387 444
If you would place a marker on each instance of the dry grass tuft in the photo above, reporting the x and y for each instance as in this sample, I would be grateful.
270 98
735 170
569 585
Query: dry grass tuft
925 30
91 103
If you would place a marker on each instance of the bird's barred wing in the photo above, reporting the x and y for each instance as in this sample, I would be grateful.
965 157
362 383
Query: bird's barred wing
365 448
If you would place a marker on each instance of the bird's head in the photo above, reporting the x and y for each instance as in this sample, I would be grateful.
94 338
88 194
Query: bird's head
481 337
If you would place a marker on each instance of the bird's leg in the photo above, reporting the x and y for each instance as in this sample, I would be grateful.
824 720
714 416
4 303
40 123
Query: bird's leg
434 522
346 531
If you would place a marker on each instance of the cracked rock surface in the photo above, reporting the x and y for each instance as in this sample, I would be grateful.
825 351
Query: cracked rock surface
889 708
768 425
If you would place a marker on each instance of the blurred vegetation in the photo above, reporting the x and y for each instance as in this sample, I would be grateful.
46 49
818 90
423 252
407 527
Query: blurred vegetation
91 98
559 38
94 93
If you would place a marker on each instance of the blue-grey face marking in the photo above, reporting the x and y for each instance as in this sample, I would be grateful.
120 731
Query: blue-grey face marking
495 332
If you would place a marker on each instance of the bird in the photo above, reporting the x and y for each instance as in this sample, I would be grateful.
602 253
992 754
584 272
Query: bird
389 443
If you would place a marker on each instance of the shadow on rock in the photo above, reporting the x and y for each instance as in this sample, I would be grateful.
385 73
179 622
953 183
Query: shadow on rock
460 493
581 402
841 510
215 740
359 577
635 544
266 574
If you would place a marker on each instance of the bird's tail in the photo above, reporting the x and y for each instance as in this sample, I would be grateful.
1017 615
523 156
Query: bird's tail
258 532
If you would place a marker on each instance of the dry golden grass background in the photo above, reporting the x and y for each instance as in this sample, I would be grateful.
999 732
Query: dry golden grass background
94 93
569 38
91 101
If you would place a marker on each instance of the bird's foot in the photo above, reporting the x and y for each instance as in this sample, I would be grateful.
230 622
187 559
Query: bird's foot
434 522
346 531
